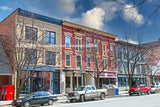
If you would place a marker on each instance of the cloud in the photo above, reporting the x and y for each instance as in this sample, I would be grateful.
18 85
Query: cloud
93 18
5 8
68 6
129 41
131 14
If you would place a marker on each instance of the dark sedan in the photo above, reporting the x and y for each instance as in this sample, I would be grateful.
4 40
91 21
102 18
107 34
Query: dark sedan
41 97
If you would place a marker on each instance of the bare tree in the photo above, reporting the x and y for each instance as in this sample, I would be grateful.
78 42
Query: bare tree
22 46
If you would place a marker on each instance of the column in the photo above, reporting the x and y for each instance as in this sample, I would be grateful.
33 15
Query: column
73 86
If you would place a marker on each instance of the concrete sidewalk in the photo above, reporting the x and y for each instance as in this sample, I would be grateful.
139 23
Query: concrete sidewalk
63 99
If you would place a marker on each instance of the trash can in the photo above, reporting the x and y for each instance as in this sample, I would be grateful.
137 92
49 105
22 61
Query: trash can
116 91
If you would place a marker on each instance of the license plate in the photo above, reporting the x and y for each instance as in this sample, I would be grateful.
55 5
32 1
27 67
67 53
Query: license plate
131 92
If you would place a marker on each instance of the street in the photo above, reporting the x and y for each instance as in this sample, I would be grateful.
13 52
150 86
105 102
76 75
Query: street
152 100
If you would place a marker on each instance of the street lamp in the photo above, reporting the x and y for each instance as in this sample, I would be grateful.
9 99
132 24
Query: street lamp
81 69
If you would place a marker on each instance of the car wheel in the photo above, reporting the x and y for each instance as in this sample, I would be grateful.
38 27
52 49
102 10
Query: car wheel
50 102
130 94
27 104
82 98
148 92
102 97
42 104
139 93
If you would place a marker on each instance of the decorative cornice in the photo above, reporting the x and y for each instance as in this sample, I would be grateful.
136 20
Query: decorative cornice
88 29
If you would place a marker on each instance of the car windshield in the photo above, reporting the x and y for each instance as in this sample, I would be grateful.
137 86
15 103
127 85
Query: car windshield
153 86
28 95
136 86
80 89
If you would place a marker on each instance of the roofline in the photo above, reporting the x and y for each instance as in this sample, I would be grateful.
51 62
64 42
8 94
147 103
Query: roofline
70 24
38 16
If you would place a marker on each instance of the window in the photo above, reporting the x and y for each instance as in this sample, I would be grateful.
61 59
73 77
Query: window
30 56
50 58
68 41
67 82
88 62
78 61
88 88
120 69
111 50
93 88
96 47
30 33
78 44
88 45
68 62
112 64
50 37
104 50
104 63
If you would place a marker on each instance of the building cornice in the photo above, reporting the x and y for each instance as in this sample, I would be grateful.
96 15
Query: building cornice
88 29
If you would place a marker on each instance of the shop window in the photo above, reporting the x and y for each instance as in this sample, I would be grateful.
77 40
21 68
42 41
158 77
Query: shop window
30 33
30 56
68 41
88 45
50 37
79 81
67 82
88 62
68 62
50 58
78 44
78 61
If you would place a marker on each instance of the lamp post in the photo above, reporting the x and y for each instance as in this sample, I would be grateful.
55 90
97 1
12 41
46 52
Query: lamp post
81 69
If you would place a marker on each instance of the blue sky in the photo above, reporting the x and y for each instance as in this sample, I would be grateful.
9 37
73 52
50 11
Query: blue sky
113 16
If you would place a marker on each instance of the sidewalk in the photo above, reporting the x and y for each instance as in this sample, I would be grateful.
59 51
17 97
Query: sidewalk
63 99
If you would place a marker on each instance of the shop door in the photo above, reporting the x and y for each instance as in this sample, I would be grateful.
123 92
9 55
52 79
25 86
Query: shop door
56 83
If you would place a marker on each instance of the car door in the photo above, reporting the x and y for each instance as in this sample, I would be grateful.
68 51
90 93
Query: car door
37 98
88 93
93 92
45 97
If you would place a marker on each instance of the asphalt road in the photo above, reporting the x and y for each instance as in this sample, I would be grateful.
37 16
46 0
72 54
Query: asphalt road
152 100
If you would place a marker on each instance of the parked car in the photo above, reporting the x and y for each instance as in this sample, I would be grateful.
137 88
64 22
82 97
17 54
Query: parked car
155 88
40 97
139 89
87 93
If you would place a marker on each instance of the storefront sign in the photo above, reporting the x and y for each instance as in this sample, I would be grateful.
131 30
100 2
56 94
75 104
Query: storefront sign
107 75
38 68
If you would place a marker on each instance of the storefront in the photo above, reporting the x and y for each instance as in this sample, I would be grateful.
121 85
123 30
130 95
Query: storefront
43 79
107 78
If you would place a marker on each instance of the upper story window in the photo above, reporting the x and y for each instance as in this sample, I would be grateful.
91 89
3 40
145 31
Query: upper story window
88 46
95 47
104 49
30 33
88 62
78 61
30 56
79 44
68 41
50 58
112 64
120 68
105 65
50 37
68 60
111 50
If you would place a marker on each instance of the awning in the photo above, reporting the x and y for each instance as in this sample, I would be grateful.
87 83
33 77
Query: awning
107 75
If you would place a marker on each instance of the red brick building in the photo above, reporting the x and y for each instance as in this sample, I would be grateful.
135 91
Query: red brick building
78 55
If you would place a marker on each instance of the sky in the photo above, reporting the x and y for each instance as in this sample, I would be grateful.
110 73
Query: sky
113 16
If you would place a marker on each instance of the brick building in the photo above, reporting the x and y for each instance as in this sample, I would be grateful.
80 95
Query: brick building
77 56
35 36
